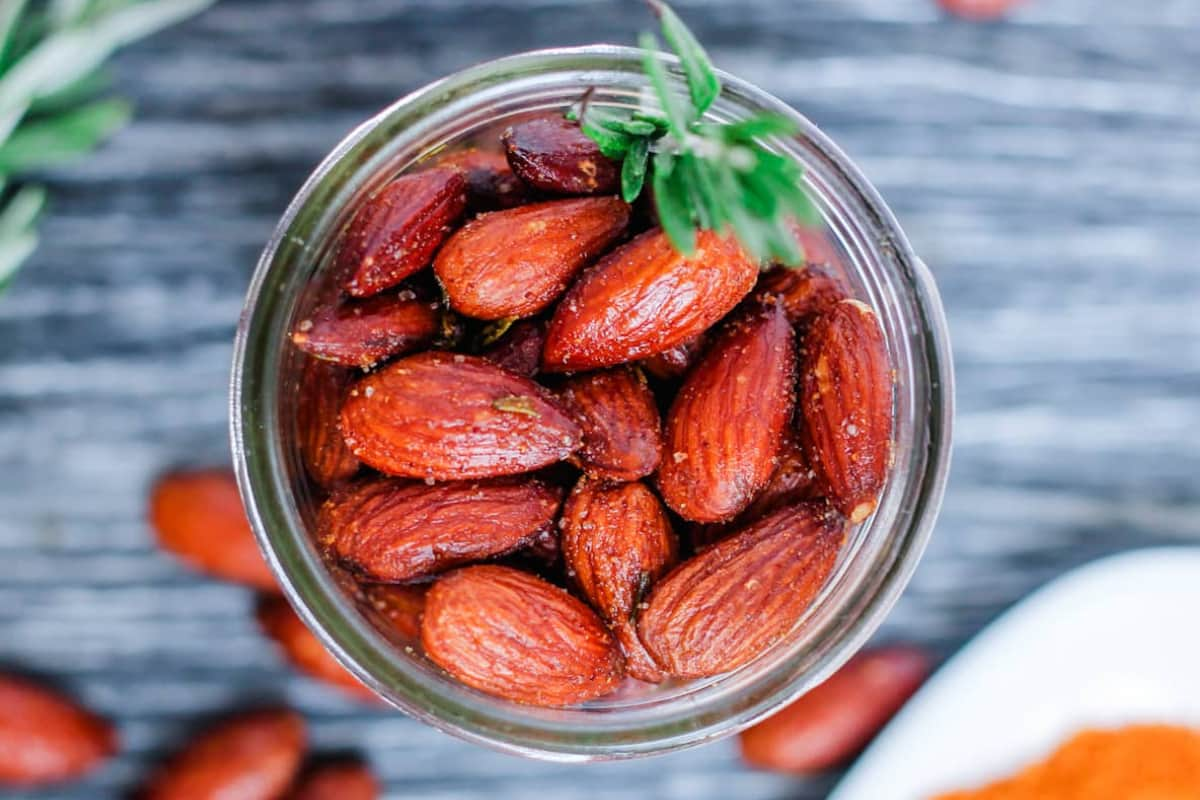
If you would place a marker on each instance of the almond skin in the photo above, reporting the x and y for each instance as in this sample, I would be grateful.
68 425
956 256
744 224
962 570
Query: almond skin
617 541
622 432
793 481
553 155
303 649
847 406
361 334
46 738
519 350
398 229
393 531
251 757
398 606
515 636
515 263
725 429
675 362
491 184
732 602
804 292
322 388
444 416
833 722
644 298
348 780
198 516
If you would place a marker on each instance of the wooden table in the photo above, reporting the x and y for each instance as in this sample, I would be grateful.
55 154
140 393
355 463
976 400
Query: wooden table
1048 169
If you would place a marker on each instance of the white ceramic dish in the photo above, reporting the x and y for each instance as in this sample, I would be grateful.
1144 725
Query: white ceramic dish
1113 642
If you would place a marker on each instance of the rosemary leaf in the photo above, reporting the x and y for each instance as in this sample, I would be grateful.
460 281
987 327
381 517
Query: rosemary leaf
56 139
630 127
678 117
757 127
674 208
633 169
702 80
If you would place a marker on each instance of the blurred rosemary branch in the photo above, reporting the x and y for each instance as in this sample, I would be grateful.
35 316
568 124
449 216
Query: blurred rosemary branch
53 106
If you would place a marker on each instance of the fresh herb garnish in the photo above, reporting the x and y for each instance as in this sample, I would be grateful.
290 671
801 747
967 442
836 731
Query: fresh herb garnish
706 175
51 73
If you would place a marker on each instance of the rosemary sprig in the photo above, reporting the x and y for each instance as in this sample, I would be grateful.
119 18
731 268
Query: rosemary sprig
52 54
706 175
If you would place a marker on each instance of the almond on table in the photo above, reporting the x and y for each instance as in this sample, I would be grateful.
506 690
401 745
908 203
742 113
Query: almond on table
552 154
198 516
342 780
253 756
846 400
831 723
728 604
47 738
510 634
726 427
622 432
441 416
617 541
304 649
398 229
395 530
515 263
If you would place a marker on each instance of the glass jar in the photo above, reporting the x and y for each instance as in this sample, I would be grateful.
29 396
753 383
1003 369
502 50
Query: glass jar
879 556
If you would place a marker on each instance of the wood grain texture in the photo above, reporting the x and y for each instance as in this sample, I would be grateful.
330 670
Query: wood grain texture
1047 168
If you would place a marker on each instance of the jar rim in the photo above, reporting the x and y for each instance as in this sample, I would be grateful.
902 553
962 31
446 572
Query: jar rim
711 711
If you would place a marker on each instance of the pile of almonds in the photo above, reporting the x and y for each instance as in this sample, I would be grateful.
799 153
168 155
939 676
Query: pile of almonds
47 738
597 456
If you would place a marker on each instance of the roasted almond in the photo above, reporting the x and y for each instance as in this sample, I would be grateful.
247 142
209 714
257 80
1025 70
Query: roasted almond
644 298
617 541
804 292
363 333
726 427
46 738
397 230
827 726
393 530
303 649
491 183
344 780
198 516
793 481
326 457
510 634
622 432
398 607
730 603
552 154
442 416
515 263
847 406
251 757
675 362
519 349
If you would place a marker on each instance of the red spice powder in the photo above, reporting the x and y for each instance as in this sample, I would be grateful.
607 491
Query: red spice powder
1138 762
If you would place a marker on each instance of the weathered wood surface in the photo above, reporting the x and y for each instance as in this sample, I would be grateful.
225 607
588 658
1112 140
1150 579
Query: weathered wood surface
1047 168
